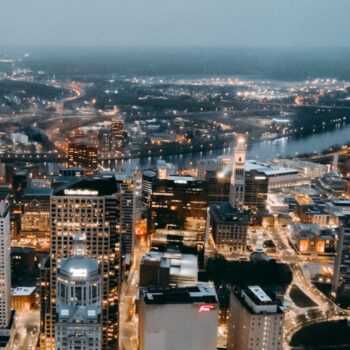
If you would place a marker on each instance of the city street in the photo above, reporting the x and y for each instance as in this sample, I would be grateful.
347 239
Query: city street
128 320
297 317
27 329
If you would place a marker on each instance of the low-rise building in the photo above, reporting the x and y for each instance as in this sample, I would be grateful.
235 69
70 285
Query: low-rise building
307 169
169 268
278 177
23 298
333 184
313 214
310 239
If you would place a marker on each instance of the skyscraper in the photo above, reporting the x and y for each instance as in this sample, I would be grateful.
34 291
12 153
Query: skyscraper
339 209
5 263
179 201
237 187
127 202
7 317
35 217
118 133
91 206
78 322
341 275
256 189
83 154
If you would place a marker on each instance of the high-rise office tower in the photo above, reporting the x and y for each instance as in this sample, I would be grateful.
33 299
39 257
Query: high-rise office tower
105 138
341 275
127 208
35 218
91 206
179 201
118 133
5 263
256 189
112 137
149 179
82 154
339 210
7 316
178 318
78 321
218 186
256 321
237 187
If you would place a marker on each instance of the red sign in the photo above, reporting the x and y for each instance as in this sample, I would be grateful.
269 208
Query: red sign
206 308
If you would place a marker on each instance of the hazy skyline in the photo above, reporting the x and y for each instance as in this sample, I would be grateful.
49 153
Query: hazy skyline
268 23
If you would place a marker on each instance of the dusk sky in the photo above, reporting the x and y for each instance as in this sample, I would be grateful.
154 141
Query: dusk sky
268 23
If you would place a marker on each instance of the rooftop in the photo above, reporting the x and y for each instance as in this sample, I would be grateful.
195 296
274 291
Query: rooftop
259 295
180 179
37 192
224 213
180 265
79 266
267 169
92 186
256 300
341 202
22 291
200 293
313 210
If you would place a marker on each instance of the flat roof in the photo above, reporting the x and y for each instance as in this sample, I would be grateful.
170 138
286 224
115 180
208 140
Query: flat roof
267 169
98 185
255 300
200 293
183 265
225 214
259 294
22 291
180 179
38 192
341 202
313 209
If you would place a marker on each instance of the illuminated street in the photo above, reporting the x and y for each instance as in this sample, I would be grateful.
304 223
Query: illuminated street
27 329
128 319
174 176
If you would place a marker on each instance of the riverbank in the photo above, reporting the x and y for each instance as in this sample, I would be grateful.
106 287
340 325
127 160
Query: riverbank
291 146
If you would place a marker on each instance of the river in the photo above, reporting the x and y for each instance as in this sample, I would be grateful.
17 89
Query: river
263 150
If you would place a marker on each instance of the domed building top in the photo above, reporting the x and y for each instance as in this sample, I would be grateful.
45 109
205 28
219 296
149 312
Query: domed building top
79 265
